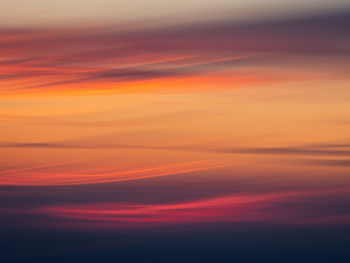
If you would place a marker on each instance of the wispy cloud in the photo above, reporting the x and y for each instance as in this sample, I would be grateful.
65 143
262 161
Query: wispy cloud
284 208
291 150
39 176
329 162
325 149
60 59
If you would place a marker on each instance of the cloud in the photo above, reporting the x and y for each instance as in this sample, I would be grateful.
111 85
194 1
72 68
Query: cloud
283 208
60 59
34 145
330 162
298 150
47 177
325 149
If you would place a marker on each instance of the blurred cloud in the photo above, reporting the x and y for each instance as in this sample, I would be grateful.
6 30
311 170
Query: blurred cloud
66 59
293 150
330 162
325 149
284 208
52 176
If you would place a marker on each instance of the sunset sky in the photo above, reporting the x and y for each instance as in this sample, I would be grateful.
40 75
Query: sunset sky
199 128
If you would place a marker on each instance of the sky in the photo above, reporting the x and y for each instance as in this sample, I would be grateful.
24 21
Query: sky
155 131
64 12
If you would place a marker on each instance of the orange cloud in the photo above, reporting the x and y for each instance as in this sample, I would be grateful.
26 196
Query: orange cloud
105 59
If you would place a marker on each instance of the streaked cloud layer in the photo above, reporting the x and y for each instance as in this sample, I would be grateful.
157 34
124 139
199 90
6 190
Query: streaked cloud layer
280 208
160 118
198 55
43 175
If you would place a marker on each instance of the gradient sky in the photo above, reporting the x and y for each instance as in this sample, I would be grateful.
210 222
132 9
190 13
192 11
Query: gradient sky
41 13
194 128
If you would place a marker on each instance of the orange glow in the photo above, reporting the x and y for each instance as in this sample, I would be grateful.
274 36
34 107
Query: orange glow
224 121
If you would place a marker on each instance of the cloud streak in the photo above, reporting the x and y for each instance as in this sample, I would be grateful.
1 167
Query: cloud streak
314 150
87 59
39 177
284 208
